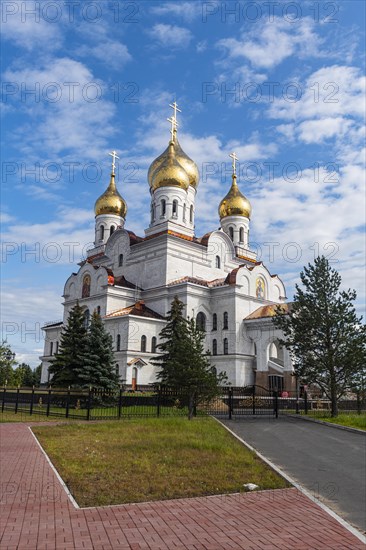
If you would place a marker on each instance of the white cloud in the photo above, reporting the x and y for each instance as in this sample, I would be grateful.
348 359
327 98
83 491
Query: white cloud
76 110
316 131
62 241
6 218
171 36
268 43
201 46
24 311
112 52
30 31
186 10
329 92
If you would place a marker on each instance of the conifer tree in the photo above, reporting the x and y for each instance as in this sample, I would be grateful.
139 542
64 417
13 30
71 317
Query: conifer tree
99 370
183 363
323 332
69 362
6 364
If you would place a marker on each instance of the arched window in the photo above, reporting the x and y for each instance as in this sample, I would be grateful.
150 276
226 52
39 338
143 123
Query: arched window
51 348
175 208
120 260
241 235
214 347
218 262
118 342
85 292
143 343
152 211
163 207
111 231
56 347
191 214
86 318
201 321
231 233
214 321
102 232
226 346
98 310
184 212
153 344
226 321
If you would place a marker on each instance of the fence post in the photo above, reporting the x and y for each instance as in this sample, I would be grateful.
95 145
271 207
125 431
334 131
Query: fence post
31 403
158 402
276 403
306 401
120 403
48 401
230 403
358 402
17 401
67 403
3 403
89 404
253 402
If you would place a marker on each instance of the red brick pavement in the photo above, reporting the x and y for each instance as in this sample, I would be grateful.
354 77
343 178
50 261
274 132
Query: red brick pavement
36 514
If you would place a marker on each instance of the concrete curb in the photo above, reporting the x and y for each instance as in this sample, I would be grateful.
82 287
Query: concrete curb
325 423
299 487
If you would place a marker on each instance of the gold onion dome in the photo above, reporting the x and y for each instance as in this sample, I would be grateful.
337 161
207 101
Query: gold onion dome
186 163
169 172
111 201
234 203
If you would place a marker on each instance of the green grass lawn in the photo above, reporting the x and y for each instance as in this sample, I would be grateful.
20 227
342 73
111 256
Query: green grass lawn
351 420
10 416
151 459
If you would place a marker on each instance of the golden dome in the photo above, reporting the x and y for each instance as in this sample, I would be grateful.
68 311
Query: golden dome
111 201
156 163
187 163
235 203
169 173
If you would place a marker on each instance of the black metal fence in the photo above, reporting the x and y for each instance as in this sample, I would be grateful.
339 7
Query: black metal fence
156 401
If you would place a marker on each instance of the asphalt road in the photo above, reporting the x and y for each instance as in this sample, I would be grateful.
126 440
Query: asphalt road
328 462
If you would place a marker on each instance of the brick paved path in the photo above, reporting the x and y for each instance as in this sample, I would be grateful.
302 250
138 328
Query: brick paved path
36 514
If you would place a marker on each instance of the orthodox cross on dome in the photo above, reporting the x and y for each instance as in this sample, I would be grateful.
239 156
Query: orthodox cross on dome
173 119
235 158
174 106
174 125
114 156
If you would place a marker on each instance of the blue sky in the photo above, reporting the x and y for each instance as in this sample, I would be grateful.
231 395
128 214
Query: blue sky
280 83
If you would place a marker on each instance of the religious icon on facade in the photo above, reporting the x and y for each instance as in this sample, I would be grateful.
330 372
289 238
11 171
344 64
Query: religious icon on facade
86 287
259 288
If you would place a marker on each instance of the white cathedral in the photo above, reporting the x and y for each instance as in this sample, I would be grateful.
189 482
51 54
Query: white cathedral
131 280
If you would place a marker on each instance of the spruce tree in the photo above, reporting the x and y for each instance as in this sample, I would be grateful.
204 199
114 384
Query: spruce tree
183 363
69 362
6 365
99 370
323 332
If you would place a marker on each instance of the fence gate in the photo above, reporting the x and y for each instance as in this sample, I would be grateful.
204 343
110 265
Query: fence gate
252 400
